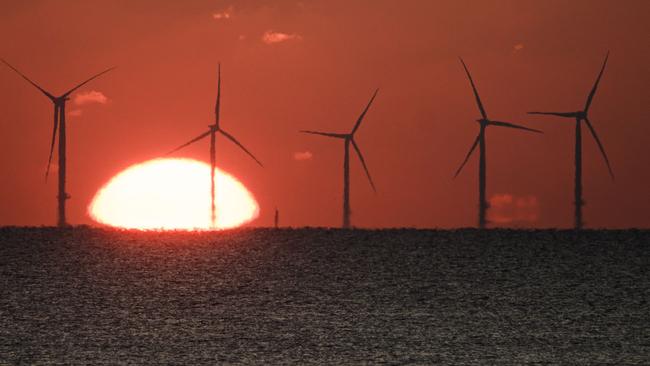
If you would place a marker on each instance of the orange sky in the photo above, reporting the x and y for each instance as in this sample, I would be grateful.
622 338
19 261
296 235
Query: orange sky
290 65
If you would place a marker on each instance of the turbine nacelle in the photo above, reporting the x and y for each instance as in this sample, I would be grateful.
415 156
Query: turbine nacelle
59 112
63 97
215 128
349 140
581 116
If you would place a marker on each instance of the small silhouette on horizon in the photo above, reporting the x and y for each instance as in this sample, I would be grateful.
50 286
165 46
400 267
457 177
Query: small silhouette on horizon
276 218
59 124
579 117
348 139
212 132
484 122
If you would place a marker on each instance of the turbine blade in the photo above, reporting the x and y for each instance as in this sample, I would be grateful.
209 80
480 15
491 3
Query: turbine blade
328 134
56 126
363 162
87 81
471 150
231 138
512 125
363 114
600 146
593 90
31 82
478 99
203 135
560 114
217 106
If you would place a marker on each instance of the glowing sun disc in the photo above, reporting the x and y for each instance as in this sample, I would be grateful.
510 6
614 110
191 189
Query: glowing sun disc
172 194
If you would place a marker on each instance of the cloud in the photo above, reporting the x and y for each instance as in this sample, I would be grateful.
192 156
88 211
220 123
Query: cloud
518 47
54 168
90 97
302 155
226 14
75 112
271 37
506 209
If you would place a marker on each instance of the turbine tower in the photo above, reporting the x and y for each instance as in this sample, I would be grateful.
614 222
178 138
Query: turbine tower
348 138
212 132
59 124
582 116
484 122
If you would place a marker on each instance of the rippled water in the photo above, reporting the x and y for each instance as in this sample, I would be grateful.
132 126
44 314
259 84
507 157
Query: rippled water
262 296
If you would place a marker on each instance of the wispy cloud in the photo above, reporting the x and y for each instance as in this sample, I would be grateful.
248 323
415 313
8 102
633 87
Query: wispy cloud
54 168
75 112
226 14
506 209
271 37
518 47
90 97
302 155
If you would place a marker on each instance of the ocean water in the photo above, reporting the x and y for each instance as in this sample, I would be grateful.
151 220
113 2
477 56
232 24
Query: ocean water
318 296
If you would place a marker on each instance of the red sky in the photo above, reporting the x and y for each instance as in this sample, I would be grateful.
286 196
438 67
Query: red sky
290 65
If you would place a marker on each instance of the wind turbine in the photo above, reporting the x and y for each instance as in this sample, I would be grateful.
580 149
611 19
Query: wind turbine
59 123
348 139
212 132
579 117
484 122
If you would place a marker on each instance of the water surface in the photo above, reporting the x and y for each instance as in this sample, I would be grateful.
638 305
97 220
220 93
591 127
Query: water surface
308 296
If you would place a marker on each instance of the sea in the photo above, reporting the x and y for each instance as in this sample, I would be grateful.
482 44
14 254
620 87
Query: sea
320 296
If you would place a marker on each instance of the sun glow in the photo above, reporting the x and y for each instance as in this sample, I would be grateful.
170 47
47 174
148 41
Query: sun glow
172 194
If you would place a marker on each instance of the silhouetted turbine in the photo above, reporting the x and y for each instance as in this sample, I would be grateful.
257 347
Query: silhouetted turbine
480 141
59 123
212 132
580 116
348 139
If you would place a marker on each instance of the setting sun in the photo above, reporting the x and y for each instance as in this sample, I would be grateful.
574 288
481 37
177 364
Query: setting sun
172 194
